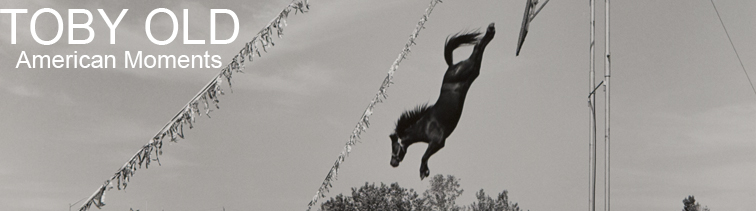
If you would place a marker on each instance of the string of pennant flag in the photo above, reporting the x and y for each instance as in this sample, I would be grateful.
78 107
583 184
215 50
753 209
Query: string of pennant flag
364 122
205 99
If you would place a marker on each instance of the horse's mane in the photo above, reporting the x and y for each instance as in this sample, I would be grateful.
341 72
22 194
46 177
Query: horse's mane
409 117
456 40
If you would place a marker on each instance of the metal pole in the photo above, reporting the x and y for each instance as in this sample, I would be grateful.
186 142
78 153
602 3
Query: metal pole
592 126
607 74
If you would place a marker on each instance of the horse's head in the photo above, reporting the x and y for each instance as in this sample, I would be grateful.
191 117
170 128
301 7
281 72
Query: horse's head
397 150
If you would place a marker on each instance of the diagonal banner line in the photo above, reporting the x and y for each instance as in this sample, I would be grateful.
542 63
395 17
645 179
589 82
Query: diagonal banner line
209 94
364 122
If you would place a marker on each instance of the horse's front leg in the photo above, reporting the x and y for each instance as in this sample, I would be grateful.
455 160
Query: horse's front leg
433 147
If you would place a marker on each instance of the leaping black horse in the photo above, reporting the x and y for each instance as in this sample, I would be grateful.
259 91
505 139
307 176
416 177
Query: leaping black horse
432 124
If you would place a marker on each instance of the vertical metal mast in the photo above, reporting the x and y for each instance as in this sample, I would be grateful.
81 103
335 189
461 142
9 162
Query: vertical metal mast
592 126
607 74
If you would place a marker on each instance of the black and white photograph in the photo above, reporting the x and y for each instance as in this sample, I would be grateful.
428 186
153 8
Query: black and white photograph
344 105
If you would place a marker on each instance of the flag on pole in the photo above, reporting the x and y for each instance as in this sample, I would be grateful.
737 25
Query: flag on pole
530 13
525 23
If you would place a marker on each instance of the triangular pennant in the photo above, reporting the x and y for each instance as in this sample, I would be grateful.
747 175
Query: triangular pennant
526 18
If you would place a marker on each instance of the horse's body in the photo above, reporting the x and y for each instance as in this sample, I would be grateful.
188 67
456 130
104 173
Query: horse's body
433 124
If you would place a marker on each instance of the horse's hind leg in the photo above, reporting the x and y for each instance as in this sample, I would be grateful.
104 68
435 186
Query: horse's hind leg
477 54
433 146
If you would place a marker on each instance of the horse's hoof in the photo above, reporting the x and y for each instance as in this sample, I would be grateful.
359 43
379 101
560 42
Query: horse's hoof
491 28
424 173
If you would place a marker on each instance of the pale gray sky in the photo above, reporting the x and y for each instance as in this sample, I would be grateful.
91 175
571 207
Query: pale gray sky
683 113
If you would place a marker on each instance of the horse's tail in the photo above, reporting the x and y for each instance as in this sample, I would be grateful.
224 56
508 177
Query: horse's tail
409 118
456 40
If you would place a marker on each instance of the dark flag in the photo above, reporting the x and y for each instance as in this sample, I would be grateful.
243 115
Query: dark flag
530 13
525 23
